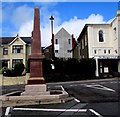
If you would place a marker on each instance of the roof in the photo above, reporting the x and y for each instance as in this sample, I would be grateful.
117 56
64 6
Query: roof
62 30
48 47
8 40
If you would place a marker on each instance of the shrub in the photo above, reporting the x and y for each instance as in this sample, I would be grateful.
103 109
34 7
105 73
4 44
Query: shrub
18 69
28 66
47 66
6 72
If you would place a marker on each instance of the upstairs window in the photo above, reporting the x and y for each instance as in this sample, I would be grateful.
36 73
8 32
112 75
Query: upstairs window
115 33
56 41
18 49
69 41
101 39
5 51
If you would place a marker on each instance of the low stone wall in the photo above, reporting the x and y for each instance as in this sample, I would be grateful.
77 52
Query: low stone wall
4 81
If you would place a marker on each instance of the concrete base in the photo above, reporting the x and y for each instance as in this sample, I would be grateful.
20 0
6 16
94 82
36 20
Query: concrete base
35 93
35 90
27 99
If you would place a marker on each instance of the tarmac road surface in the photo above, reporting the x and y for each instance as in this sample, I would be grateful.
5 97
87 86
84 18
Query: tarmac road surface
97 97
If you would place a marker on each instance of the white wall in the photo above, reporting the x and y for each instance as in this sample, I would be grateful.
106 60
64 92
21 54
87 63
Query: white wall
93 40
63 45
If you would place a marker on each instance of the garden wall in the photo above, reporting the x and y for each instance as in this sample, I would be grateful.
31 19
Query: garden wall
4 81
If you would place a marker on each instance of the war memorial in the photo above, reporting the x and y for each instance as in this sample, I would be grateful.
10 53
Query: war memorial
36 89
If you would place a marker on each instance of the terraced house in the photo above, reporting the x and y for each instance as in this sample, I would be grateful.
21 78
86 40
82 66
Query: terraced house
15 50
101 42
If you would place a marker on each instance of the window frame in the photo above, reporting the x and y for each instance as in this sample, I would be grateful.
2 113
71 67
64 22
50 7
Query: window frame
17 49
5 51
56 41
15 61
69 41
56 51
105 51
101 36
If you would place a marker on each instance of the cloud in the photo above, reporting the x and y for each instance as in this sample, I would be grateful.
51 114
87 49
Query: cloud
26 29
46 10
73 26
22 15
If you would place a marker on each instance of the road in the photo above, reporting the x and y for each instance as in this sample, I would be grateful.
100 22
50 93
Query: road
97 97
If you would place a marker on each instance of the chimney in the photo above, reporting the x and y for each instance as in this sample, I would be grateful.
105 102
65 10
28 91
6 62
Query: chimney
118 11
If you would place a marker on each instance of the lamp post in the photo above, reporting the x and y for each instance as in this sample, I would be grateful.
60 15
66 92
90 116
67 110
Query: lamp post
52 19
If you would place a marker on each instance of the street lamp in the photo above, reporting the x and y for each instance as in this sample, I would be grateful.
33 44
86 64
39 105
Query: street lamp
52 19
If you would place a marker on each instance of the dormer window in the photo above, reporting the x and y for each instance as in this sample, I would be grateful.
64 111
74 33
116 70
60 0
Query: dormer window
101 39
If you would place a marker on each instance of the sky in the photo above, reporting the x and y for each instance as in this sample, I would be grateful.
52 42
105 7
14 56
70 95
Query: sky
17 17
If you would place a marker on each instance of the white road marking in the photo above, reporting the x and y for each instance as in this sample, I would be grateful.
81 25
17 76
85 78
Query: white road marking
58 110
100 87
113 82
8 110
102 82
62 88
77 100
53 110
96 113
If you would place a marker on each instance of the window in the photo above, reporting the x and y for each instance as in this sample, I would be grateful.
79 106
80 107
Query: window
95 51
5 51
68 51
69 41
115 33
101 39
82 44
86 40
116 51
109 51
18 49
56 41
15 61
56 51
5 63
104 51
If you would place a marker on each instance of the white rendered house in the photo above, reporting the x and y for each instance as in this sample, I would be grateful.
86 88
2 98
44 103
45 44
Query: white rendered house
63 44
101 42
